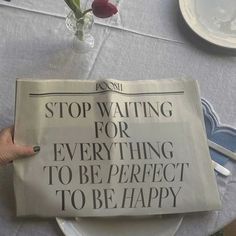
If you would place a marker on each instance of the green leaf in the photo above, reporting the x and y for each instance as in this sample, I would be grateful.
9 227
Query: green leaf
71 5
77 4
74 5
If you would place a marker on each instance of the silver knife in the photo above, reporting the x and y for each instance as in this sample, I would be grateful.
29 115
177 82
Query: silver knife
221 169
222 150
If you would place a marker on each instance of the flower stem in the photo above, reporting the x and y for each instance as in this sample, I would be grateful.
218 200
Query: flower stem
86 11
78 14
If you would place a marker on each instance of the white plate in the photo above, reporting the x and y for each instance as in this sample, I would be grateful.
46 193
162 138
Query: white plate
121 226
213 20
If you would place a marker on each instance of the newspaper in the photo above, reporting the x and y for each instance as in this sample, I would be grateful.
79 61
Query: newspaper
112 148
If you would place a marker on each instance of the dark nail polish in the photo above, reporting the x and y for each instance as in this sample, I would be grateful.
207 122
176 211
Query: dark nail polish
36 148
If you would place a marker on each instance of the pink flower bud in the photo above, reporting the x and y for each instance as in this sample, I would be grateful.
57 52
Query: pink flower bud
103 9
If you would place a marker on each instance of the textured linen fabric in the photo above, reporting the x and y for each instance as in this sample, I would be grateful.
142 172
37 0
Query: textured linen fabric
144 41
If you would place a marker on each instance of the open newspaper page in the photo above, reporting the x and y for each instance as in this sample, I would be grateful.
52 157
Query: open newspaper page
112 148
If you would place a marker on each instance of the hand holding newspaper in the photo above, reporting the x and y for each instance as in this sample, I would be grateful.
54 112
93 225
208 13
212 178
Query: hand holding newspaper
112 148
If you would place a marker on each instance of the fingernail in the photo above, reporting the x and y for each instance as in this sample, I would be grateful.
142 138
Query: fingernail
36 148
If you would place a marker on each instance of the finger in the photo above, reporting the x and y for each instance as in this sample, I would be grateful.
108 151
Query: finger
13 152
19 151
6 136
12 129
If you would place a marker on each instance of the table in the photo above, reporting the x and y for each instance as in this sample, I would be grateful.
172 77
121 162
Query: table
147 40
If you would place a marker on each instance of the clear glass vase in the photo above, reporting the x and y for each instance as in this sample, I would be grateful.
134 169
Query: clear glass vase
81 28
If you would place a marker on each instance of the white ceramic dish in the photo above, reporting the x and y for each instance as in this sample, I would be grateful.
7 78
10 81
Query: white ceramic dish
213 20
121 226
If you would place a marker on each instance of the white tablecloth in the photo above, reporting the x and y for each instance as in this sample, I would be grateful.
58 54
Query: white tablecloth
146 40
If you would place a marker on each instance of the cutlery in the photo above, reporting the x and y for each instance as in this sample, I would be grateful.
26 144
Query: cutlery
220 169
222 150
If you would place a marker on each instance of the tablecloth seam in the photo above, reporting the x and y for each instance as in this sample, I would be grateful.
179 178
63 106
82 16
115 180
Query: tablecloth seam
178 226
18 229
218 212
33 11
59 16
142 34
96 56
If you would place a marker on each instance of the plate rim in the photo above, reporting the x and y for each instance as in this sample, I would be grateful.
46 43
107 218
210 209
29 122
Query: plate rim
60 221
204 35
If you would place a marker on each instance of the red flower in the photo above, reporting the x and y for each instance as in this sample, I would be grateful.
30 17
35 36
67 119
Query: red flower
103 8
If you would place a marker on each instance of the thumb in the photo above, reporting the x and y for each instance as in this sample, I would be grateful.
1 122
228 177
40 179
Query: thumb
19 151
13 152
